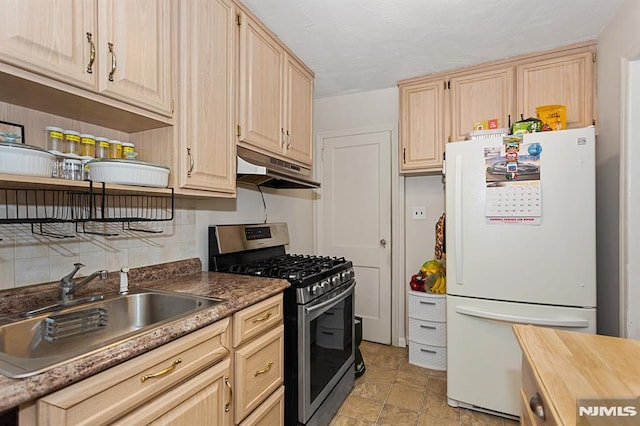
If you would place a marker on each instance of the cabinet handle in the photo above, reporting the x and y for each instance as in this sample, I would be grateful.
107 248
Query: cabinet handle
92 53
535 403
264 370
428 351
228 404
114 61
191 162
263 318
288 140
161 373
427 303
282 138
430 327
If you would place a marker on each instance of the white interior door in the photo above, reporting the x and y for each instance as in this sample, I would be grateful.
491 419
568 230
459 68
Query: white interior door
356 220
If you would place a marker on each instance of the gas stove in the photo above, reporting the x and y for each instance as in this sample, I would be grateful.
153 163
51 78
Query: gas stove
260 250
318 315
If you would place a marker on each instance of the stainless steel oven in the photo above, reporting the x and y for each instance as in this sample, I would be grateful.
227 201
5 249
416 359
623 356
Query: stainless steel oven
318 315
326 348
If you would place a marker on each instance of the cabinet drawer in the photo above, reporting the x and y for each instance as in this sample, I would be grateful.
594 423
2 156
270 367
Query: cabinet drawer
531 389
427 356
269 413
259 371
108 395
431 333
427 307
255 319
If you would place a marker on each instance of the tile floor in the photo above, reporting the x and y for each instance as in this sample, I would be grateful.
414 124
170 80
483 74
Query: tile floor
394 392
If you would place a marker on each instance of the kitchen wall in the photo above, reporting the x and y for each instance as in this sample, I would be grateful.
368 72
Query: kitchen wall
26 258
417 239
619 40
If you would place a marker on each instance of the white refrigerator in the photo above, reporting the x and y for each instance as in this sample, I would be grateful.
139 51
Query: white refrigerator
520 249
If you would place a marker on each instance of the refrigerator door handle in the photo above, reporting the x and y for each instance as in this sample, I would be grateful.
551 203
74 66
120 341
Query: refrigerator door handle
516 319
458 219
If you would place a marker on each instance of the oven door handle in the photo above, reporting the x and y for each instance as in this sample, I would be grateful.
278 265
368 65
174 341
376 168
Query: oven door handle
332 301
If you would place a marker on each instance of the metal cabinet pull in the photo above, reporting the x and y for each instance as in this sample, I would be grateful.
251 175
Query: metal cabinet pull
228 404
429 351
114 61
262 318
191 162
288 140
264 370
161 373
92 53
535 403
282 137
383 243
422 302
430 327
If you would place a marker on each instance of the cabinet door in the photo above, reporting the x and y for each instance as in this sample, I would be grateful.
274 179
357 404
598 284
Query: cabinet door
261 89
422 126
298 112
480 96
135 52
206 118
50 38
567 80
204 399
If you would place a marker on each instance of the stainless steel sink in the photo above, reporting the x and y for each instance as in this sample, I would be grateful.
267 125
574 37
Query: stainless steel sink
35 341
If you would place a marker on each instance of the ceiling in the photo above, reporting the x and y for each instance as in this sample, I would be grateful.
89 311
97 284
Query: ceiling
361 45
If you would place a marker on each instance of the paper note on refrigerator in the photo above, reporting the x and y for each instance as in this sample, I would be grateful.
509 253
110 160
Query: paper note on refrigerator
513 190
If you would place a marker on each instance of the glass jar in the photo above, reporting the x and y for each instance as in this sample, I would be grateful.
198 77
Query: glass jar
55 139
71 142
102 147
115 149
73 169
87 145
129 151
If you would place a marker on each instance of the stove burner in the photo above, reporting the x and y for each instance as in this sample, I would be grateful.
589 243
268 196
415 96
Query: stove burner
293 267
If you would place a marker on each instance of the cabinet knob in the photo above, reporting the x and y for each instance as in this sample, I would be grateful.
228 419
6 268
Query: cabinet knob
383 242
535 403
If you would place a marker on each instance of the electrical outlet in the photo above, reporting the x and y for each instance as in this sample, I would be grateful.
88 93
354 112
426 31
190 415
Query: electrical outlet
419 213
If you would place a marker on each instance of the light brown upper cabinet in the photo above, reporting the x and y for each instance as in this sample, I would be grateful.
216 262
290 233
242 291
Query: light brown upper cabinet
480 96
422 128
205 119
563 80
443 107
118 48
276 94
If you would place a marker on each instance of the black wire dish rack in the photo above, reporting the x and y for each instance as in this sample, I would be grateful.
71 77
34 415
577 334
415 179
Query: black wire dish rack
50 205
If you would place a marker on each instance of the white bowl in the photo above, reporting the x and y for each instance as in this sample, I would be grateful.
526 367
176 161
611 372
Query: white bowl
128 172
27 160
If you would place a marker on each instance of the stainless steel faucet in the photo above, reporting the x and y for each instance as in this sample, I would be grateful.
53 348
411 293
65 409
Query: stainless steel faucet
68 287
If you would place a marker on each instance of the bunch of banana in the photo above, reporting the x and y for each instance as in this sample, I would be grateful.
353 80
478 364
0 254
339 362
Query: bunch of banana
440 286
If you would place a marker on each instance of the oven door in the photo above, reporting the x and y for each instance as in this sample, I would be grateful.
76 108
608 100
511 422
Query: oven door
325 347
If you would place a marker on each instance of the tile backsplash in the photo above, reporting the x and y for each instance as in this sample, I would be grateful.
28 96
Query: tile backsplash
28 257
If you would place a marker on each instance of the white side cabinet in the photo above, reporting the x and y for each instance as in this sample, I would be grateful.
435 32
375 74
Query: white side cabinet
427 330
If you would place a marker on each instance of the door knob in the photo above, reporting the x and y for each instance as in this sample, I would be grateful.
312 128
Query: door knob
383 242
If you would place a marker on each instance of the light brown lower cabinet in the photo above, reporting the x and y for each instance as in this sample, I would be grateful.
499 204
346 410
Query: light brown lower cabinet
269 413
187 381
259 363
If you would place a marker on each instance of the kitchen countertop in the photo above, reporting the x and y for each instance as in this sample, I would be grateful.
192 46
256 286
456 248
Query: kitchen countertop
569 366
239 291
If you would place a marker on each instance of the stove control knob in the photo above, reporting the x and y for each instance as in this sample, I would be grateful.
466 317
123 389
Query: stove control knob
335 280
314 289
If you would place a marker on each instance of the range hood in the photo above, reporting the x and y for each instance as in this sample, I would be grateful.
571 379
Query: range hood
259 169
